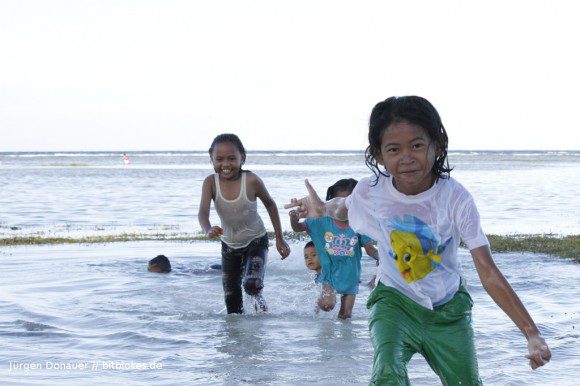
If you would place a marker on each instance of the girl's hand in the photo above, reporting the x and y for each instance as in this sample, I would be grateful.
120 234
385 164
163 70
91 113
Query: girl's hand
214 232
539 352
282 247
310 206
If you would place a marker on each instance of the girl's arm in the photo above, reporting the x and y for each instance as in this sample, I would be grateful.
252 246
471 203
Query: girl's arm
296 225
203 213
270 205
312 206
504 296
371 251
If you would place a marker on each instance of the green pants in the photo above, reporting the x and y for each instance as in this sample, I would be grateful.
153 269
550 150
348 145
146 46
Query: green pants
400 328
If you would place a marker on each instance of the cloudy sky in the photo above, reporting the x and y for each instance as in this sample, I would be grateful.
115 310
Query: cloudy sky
169 75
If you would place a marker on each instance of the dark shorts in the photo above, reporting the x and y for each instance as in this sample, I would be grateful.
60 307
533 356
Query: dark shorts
244 266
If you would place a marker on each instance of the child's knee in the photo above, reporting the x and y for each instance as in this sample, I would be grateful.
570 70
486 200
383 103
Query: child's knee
389 375
327 299
326 302
253 286
326 306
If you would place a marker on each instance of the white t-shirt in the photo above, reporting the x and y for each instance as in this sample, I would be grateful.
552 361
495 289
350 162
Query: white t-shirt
417 235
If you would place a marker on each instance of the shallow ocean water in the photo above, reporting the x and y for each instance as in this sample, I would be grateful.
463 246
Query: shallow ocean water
98 305
159 193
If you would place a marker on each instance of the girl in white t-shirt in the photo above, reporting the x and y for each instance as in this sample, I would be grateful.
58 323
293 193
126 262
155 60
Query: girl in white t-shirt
418 215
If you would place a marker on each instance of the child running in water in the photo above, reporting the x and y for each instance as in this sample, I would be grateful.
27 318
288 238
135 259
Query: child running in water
244 239
339 253
311 262
418 214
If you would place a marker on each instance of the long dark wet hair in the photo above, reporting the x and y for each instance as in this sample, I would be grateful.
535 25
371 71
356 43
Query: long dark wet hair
234 140
344 185
415 110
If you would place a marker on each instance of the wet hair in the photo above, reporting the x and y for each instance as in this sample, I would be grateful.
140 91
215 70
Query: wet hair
309 244
412 109
231 138
344 185
162 262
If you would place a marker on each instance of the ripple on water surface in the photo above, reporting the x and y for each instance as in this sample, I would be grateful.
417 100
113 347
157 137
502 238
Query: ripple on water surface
101 304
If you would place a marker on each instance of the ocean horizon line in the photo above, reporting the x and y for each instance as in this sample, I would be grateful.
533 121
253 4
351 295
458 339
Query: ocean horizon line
258 152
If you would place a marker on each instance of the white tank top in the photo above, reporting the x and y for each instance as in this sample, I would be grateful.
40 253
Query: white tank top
240 220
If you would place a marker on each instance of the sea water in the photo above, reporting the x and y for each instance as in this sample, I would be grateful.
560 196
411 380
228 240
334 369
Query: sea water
67 194
92 314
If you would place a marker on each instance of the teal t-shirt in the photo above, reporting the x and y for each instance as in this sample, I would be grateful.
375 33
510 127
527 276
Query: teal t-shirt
339 253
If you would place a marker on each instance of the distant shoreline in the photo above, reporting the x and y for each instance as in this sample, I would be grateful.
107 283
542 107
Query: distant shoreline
145 153
561 246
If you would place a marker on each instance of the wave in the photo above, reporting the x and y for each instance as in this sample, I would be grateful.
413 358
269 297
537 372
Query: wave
183 154
33 326
307 154
515 153
277 153
103 154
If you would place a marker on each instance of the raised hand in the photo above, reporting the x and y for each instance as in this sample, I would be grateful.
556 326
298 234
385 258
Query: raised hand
310 206
539 352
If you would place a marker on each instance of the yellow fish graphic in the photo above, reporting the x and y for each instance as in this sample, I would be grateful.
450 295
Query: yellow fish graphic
408 253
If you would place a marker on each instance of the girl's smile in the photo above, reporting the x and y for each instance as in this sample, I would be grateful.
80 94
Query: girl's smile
408 154
227 160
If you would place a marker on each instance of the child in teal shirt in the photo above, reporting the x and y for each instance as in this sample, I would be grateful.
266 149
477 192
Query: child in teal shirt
339 253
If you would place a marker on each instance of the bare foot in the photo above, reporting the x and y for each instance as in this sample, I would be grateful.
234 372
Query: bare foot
260 304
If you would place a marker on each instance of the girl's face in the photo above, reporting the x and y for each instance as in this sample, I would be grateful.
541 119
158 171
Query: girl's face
227 160
311 258
408 154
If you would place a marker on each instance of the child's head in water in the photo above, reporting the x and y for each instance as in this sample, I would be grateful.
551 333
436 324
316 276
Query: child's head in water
341 188
227 155
407 137
311 257
159 264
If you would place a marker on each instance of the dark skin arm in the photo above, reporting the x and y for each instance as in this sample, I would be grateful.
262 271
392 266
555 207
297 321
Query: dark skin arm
504 296
262 193
296 225
371 251
207 194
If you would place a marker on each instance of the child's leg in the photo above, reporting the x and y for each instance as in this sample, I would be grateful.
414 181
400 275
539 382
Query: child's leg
346 305
394 334
327 299
255 266
232 279
449 343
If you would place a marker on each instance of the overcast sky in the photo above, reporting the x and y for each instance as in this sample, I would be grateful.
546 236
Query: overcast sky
170 75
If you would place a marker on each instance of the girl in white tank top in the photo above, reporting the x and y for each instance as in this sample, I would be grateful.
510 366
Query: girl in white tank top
242 232
240 220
